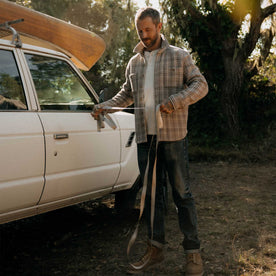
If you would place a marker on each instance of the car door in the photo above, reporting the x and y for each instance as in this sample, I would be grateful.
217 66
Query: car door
21 139
79 159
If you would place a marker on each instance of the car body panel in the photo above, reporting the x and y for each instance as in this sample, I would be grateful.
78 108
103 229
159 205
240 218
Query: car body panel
85 161
129 164
51 159
22 160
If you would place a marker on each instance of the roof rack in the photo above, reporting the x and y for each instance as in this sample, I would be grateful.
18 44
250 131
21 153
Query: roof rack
15 36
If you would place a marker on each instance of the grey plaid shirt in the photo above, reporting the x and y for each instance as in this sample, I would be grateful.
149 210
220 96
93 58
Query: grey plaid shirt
175 77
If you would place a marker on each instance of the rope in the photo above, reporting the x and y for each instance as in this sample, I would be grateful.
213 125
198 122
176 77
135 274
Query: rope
159 124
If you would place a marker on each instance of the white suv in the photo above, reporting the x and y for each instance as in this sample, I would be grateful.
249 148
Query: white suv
52 153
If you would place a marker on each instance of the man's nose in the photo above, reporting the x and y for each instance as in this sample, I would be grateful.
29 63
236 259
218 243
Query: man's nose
142 35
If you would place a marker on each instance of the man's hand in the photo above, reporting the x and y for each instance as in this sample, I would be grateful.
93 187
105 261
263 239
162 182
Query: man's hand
96 112
167 107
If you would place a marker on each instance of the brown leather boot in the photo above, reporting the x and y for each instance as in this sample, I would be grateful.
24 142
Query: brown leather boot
153 255
194 266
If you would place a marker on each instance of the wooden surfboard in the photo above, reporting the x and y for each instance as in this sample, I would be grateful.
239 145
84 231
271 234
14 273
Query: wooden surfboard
82 46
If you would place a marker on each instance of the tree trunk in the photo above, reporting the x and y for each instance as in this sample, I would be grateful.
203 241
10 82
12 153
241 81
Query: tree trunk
230 94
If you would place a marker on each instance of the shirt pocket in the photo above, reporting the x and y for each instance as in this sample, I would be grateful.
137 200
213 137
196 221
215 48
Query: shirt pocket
173 77
133 82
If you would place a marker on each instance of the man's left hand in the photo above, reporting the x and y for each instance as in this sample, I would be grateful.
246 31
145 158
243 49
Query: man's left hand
167 107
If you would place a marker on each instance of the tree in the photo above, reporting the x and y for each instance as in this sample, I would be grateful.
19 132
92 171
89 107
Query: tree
215 32
120 37
112 20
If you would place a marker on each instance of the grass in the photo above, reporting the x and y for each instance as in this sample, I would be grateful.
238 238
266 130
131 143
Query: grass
236 207
260 260
254 150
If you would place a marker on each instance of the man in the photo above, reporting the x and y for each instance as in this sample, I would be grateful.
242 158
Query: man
165 76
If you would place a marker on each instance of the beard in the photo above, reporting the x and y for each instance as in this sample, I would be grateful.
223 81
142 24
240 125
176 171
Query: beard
149 42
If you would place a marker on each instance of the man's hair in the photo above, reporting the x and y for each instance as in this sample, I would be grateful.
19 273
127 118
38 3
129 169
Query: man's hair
148 12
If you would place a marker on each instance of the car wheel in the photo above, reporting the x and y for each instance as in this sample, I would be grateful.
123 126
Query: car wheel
125 201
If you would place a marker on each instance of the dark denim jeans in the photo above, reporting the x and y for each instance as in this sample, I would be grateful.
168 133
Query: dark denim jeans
172 158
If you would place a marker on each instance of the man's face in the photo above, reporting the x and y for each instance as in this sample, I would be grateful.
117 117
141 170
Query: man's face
149 33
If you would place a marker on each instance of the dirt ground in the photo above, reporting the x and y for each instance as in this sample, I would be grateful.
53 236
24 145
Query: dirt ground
237 228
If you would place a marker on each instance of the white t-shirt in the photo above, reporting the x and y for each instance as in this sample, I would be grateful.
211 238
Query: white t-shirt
149 92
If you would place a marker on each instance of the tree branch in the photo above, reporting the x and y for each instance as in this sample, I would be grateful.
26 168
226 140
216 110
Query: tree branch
268 11
254 32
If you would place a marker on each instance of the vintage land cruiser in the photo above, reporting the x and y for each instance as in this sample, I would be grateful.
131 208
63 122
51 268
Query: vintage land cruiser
52 152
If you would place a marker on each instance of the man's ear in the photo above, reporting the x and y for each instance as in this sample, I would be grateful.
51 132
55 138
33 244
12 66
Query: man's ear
159 26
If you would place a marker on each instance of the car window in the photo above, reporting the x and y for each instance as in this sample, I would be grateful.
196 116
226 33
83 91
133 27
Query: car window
58 87
11 89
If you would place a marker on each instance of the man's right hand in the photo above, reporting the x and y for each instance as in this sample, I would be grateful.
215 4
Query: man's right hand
96 112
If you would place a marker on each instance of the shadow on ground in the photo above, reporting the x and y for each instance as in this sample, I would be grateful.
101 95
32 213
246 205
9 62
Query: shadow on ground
236 214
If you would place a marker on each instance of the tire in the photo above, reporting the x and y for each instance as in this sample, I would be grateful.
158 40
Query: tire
125 201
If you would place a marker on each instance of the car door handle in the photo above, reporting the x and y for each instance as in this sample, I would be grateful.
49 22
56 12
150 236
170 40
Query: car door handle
61 136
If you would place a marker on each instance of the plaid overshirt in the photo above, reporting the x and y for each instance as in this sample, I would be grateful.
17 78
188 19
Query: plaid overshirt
175 77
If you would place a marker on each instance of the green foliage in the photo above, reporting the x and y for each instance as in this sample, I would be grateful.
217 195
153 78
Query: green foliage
121 38
268 70
205 120
9 87
112 20
258 112
213 31
259 107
